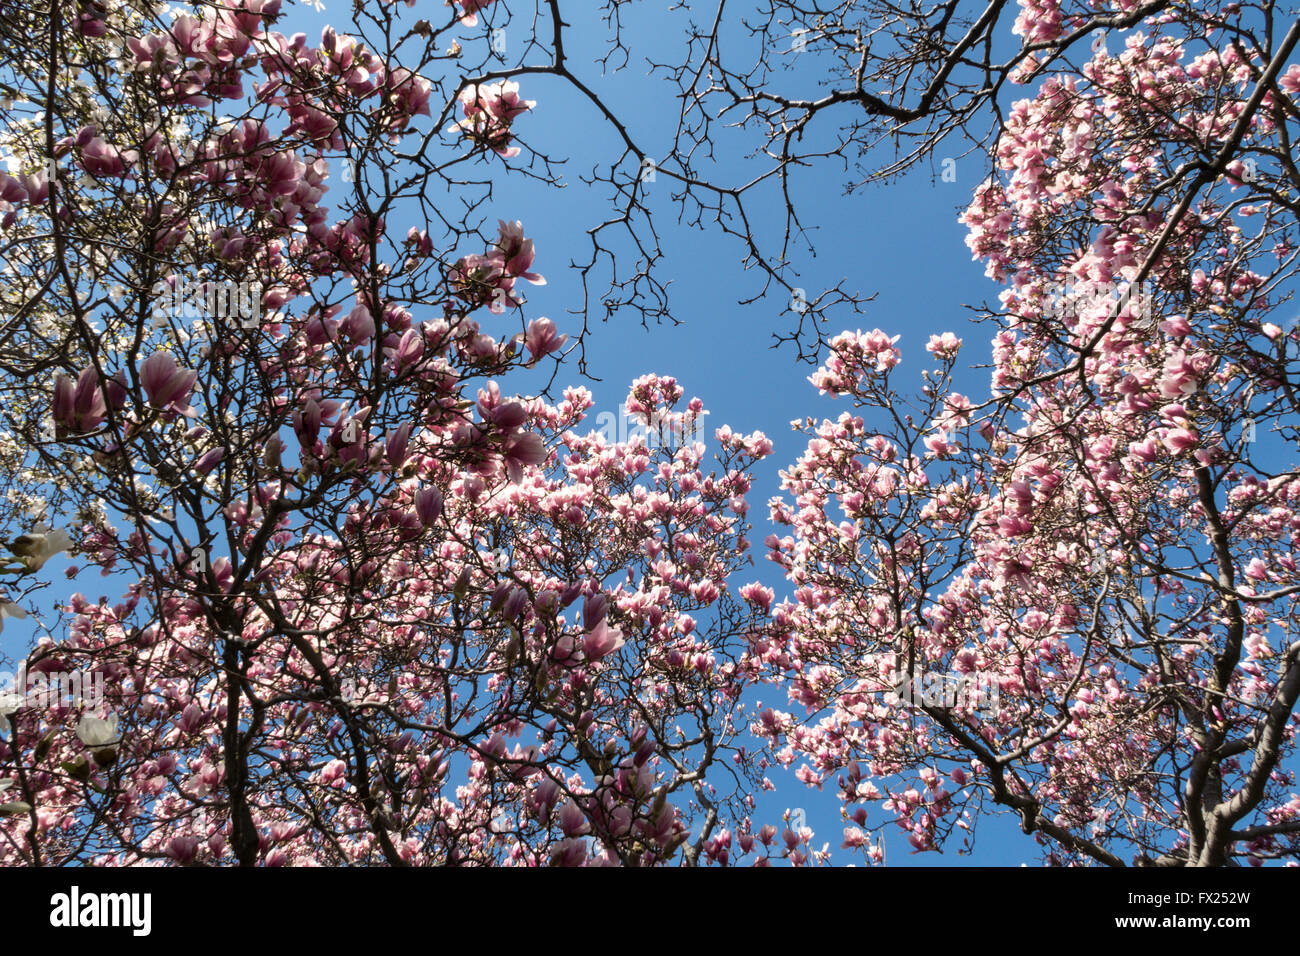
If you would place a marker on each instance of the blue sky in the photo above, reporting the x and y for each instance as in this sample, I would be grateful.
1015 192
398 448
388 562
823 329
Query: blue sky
902 242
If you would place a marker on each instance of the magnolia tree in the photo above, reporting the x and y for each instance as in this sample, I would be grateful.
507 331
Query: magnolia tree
259 363
1089 574
375 609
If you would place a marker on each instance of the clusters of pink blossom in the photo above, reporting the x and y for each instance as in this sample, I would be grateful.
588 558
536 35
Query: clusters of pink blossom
489 111
655 540
1095 533
854 355
489 279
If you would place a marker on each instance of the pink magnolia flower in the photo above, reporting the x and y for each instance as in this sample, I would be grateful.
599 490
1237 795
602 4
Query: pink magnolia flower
408 350
191 718
572 820
90 25
853 838
183 849
852 355
601 641
1290 80
37 186
81 408
939 444
395 447
523 449
1146 450
508 416
358 325
1181 375
1179 440
503 100
11 189
428 505
517 252
944 346
489 110
408 93
101 159
759 595
317 126
470 9
307 422
594 608
566 651
881 346
1039 21
569 853
1013 525
420 242
209 460
515 604
166 384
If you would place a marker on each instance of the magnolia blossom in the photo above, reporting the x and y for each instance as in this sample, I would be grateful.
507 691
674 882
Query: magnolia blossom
166 384
542 338
572 820
9 703
469 10
940 444
516 252
78 408
601 641
489 110
37 547
522 449
1179 440
183 849
854 355
943 346
98 733
428 505
102 159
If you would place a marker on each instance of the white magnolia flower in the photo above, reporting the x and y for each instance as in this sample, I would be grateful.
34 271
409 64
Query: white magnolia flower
37 547
98 732
9 702
9 609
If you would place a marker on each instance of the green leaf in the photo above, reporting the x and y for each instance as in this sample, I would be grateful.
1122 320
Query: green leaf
43 747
